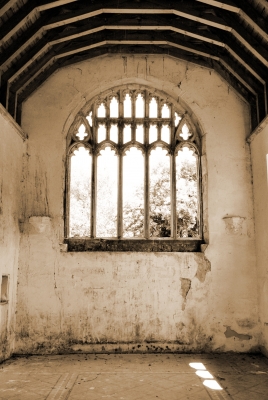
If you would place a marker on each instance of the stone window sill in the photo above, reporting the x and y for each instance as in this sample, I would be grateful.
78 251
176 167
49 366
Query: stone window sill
133 245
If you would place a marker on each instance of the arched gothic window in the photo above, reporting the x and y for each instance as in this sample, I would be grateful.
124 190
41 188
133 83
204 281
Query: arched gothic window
133 169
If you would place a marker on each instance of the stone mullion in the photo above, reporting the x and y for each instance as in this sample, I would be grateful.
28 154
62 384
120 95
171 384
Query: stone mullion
146 196
93 175
159 126
173 175
93 195
146 183
120 197
68 185
199 195
120 168
173 196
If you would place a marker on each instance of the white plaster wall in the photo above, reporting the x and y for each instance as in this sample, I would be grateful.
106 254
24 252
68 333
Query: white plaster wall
67 299
11 161
259 151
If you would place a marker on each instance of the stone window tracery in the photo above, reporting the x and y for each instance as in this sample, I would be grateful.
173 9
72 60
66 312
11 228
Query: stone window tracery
133 169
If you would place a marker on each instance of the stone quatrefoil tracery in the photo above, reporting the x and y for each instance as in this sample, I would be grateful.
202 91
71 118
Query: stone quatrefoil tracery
144 127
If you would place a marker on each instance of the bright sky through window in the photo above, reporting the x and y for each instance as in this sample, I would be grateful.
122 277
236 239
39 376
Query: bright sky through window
80 192
125 163
114 108
139 106
133 193
101 111
127 106
81 134
114 133
101 133
153 108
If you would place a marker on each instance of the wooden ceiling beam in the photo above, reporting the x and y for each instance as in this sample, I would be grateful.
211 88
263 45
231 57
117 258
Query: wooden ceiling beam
6 6
23 95
250 43
71 50
16 72
25 14
44 46
227 5
18 21
245 11
23 43
247 40
59 35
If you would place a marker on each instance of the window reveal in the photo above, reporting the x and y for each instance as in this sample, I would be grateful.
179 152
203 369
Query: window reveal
133 170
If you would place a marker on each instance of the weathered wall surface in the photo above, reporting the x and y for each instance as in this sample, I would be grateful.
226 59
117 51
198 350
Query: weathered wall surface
11 161
259 151
111 300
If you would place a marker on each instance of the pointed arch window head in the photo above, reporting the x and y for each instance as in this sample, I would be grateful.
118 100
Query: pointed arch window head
153 108
165 111
134 171
101 113
114 107
140 106
127 106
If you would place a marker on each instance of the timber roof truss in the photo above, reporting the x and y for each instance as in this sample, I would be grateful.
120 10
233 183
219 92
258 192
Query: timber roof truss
38 37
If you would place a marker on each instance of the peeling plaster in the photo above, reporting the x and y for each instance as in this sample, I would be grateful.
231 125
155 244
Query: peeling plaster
185 287
234 225
230 333
102 297
203 268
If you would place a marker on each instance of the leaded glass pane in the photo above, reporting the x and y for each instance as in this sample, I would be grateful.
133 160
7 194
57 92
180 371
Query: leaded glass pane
107 186
114 133
139 106
114 108
127 134
80 193
127 107
152 133
153 108
186 193
101 133
165 133
160 206
133 193
101 113
140 133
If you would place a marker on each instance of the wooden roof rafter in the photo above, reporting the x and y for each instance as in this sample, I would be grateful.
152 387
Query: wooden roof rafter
230 36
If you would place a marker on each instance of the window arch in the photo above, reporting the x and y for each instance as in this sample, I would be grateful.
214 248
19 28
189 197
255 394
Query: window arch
133 169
